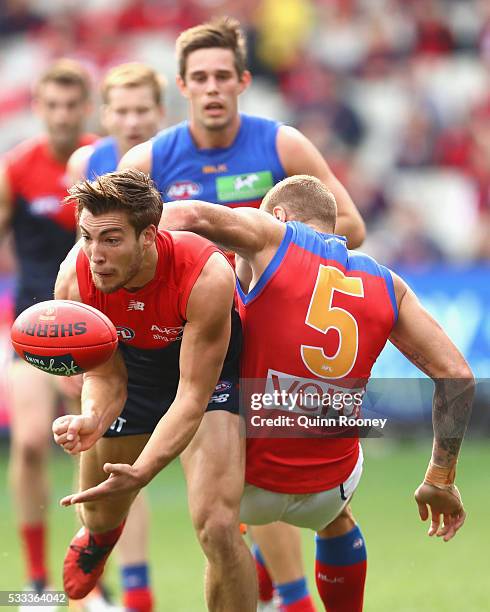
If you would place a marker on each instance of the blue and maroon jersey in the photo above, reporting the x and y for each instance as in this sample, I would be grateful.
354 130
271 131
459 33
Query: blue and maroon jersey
315 322
44 229
238 175
104 158
150 322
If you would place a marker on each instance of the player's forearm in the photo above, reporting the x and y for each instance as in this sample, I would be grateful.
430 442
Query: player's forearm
451 410
216 223
352 227
171 436
103 397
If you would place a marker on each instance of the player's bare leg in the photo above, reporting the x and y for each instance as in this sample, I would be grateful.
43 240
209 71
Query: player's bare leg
214 467
280 546
341 564
132 553
103 520
33 400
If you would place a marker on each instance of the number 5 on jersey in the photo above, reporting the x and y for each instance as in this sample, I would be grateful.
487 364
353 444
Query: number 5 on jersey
322 316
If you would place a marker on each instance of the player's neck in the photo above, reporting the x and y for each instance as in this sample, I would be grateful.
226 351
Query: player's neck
62 153
214 139
147 271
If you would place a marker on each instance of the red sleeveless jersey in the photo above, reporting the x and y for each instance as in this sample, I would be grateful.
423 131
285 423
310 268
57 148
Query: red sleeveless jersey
315 322
44 228
154 316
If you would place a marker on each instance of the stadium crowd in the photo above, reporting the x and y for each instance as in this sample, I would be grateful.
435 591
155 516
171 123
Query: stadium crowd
395 93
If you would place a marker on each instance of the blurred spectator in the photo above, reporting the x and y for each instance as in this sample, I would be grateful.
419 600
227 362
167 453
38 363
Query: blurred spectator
18 16
416 147
379 86
433 35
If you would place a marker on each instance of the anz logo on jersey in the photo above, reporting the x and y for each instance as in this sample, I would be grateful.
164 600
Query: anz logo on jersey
167 334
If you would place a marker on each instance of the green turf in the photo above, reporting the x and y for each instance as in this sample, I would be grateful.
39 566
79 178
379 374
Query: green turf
407 570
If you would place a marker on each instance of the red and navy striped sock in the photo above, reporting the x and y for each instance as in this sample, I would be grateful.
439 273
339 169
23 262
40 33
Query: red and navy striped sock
294 596
266 588
138 596
340 571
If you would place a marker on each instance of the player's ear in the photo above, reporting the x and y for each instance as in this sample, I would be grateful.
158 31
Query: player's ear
182 86
245 80
149 236
280 214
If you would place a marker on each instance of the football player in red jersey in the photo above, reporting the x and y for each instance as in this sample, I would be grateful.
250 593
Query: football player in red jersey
132 111
305 281
154 400
32 186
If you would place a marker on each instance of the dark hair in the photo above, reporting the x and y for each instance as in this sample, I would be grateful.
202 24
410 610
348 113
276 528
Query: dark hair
68 73
130 191
305 197
224 33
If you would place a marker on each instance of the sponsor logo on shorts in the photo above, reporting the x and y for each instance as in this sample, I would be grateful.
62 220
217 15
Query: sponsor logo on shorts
167 334
125 333
183 190
223 385
54 330
118 425
61 365
243 186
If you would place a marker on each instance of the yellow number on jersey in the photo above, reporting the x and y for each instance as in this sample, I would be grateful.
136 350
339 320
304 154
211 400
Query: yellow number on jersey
323 316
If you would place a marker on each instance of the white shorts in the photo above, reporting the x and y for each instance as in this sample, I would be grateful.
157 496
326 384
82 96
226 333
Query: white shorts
313 510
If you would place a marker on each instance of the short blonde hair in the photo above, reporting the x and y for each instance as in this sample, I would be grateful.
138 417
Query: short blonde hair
223 33
133 74
305 197
67 73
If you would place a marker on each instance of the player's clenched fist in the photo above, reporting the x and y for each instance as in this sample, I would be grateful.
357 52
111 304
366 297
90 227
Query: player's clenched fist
76 433
441 501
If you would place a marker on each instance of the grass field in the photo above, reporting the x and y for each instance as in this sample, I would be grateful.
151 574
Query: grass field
407 571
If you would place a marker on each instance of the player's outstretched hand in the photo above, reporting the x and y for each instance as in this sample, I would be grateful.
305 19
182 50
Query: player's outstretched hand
123 478
76 432
445 502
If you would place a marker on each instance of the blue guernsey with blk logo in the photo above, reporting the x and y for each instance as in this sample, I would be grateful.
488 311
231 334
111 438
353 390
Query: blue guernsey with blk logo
238 175
104 158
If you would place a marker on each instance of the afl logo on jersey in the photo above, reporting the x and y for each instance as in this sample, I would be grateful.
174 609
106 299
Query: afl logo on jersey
125 333
183 190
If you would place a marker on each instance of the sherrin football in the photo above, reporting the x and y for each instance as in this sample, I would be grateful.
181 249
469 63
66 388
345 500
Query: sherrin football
63 337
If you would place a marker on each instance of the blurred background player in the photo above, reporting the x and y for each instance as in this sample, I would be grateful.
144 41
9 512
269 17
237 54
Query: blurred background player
132 112
33 184
308 480
233 159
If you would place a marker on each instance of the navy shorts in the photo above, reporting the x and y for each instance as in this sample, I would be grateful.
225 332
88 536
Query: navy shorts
148 400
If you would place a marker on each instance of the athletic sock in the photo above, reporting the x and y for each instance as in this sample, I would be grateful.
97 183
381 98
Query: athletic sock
294 596
138 596
340 571
34 542
266 588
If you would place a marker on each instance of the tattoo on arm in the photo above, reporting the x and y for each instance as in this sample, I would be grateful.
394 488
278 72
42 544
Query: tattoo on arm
451 409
